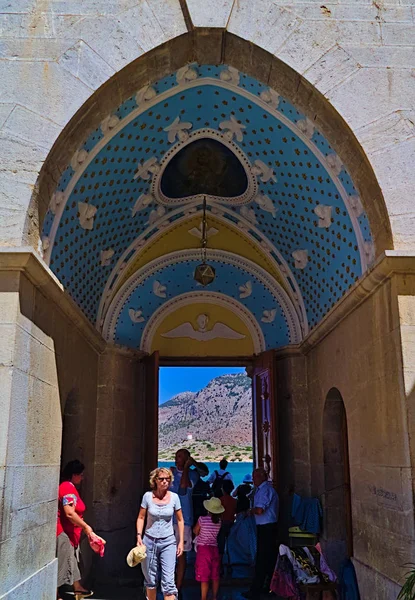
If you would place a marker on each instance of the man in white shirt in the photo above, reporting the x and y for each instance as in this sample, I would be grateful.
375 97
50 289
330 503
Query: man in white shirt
265 509
218 477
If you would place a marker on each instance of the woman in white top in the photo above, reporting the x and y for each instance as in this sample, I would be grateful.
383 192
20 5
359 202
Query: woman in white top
159 505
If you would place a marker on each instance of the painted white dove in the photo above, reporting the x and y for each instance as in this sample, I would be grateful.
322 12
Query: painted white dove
324 214
178 130
147 168
265 203
270 97
106 256
245 290
301 258
264 172
87 213
136 316
232 129
159 289
268 316
142 202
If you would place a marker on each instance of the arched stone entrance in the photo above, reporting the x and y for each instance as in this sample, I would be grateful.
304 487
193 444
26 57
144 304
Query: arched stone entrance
318 314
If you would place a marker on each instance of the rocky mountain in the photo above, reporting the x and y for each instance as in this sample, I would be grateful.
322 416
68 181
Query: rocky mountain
220 413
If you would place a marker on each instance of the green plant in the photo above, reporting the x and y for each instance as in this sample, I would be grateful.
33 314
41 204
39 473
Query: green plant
408 589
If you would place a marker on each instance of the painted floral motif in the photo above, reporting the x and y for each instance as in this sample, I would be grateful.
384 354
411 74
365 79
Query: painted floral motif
230 75
45 243
232 129
148 168
178 130
356 205
270 97
145 94
307 127
186 74
109 123
335 163
79 158
56 201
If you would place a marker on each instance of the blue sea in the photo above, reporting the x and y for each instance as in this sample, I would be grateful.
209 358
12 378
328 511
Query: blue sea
238 470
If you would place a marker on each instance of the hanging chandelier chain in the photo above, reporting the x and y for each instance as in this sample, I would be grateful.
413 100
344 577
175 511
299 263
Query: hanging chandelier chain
204 274
204 235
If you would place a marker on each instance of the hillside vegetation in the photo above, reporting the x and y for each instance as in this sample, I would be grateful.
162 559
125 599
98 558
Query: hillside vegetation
218 418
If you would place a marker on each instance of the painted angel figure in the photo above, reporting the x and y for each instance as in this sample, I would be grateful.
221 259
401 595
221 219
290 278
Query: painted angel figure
201 333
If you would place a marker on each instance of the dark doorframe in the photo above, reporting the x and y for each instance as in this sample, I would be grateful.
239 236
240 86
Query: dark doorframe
338 532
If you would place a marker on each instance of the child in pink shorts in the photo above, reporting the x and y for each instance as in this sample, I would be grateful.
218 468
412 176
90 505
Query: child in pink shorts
207 567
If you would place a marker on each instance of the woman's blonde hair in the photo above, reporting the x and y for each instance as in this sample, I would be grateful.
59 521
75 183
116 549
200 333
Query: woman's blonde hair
156 472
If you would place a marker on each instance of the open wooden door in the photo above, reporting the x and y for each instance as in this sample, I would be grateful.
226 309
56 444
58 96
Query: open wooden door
151 374
265 415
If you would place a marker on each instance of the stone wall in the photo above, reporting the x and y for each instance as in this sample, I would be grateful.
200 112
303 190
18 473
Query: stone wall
30 437
362 358
358 56
76 360
49 369
118 476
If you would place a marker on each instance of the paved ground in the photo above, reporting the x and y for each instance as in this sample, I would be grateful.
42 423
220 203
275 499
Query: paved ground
232 585
192 592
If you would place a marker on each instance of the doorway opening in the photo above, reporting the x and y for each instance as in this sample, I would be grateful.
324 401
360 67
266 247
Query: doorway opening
338 533
207 410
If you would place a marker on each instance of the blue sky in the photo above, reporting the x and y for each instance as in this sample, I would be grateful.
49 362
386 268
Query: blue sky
174 380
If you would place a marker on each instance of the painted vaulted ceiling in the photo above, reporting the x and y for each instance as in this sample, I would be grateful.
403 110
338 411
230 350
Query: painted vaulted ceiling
287 232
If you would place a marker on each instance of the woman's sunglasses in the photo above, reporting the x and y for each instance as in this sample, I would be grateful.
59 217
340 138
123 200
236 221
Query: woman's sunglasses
163 478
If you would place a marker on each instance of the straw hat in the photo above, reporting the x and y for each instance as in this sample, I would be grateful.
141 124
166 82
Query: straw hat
136 556
214 505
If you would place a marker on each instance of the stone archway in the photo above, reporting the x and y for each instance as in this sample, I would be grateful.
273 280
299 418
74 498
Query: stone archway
80 84
337 531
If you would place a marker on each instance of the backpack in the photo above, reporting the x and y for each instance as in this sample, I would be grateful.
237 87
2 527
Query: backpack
217 484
